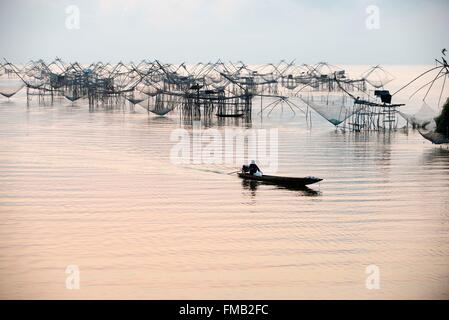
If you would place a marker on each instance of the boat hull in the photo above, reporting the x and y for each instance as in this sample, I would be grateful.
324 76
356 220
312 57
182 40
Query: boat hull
288 181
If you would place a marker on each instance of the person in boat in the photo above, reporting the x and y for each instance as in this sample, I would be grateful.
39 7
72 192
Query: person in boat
252 169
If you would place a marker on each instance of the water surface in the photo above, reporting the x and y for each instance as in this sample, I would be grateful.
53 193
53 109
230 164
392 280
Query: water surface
98 190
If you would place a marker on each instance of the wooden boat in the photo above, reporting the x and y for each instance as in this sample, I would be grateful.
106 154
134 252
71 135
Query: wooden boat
231 115
288 181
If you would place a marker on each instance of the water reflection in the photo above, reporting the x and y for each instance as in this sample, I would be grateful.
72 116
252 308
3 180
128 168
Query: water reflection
252 186
212 121
437 155
160 120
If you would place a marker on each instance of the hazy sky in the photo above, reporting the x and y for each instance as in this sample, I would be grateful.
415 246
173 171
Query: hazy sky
254 31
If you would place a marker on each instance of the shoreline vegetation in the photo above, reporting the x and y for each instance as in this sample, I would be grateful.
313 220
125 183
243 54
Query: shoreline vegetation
441 133
442 121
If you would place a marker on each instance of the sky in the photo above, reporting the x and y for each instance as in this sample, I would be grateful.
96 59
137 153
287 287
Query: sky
253 31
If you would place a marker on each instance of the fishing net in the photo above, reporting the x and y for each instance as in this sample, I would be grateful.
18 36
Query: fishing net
161 110
136 97
36 83
151 91
335 108
435 137
377 76
9 87
73 94
221 84
150 88
424 116
162 105
214 78
34 78
325 69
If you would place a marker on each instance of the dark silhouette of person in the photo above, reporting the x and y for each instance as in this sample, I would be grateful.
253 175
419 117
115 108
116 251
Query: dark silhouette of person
254 169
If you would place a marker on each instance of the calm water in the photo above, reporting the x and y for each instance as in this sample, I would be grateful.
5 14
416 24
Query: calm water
98 190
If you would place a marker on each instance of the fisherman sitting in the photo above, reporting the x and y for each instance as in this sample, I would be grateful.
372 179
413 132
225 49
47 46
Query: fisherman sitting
252 169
